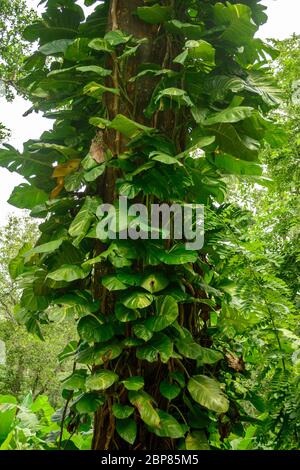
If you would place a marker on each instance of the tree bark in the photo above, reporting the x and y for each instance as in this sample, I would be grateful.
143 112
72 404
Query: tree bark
159 50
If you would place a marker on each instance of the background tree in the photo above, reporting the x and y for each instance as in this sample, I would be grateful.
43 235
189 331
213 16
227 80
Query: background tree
31 364
14 17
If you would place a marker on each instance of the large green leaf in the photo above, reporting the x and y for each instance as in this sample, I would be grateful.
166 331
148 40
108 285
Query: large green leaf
128 127
94 69
159 345
143 402
234 166
155 282
231 142
154 14
101 380
8 411
91 330
16 265
88 402
237 19
197 440
26 196
168 426
188 347
83 220
68 273
124 314
207 392
134 383
75 381
100 353
55 47
200 51
45 248
178 255
122 411
137 299
127 429
236 114
112 283
169 390
167 313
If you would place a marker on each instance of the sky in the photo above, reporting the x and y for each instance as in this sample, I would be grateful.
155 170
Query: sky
283 22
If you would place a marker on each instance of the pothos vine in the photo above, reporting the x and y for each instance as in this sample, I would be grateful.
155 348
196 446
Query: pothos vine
157 102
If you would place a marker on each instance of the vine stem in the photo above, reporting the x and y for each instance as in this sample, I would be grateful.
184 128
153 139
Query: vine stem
63 418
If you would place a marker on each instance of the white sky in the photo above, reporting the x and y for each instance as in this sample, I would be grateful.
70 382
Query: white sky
283 22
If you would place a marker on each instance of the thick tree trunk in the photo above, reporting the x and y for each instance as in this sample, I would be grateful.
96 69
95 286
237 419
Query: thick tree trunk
158 49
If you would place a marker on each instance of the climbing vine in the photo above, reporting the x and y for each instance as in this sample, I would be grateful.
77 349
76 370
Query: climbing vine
158 102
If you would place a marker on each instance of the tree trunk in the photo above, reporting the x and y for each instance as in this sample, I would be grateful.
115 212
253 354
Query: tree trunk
159 50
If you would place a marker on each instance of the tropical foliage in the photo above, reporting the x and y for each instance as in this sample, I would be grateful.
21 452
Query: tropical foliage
161 102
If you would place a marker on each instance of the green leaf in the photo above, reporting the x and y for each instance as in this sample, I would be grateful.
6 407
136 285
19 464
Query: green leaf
96 90
154 282
207 392
175 94
137 299
112 283
116 37
75 381
164 158
178 255
8 411
134 383
85 217
155 14
16 265
88 403
201 51
91 330
188 347
188 30
68 273
197 440
235 166
73 182
128 127
55 47
159 345
209 356
100 44
142 401
195 148
94 69
100 353
124 314
122 411
26 196
67 152
167 313
168 426
101 380
169 390
78 50
127 429
45 248
231 115
237 19
142 330
232 143
94 174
